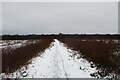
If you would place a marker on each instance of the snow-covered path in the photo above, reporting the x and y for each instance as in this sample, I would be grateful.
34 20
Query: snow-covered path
56 62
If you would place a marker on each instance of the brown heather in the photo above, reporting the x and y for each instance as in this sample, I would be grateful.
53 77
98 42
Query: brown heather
13 59
104 54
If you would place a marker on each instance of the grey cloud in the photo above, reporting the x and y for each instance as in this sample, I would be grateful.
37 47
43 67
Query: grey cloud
45 17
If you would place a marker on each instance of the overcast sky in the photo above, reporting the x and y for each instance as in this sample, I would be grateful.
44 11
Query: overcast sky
59 17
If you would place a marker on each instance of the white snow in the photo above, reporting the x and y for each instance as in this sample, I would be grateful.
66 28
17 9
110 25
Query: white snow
56 62
16 43
12 43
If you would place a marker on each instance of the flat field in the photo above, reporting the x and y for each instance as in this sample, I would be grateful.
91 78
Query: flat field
61 57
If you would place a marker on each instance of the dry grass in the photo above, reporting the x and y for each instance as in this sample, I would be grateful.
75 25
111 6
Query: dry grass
12 59
104 54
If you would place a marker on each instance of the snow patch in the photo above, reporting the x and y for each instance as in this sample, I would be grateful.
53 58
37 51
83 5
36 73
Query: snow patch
56 62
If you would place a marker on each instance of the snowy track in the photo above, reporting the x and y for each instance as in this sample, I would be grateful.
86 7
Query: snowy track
56 62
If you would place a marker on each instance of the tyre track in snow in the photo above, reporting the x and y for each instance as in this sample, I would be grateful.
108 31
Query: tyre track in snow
57 50
55 64
58 63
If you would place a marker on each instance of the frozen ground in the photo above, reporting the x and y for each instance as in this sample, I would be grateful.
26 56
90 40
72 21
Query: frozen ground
56 62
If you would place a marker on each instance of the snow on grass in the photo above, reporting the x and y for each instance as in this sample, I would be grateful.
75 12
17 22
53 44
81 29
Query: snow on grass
75 68
56 62
15 43
12 43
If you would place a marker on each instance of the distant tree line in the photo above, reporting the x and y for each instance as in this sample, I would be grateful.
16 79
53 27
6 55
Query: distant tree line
60 35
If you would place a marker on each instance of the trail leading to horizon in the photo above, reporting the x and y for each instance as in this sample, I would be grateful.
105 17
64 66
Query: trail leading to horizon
56 62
